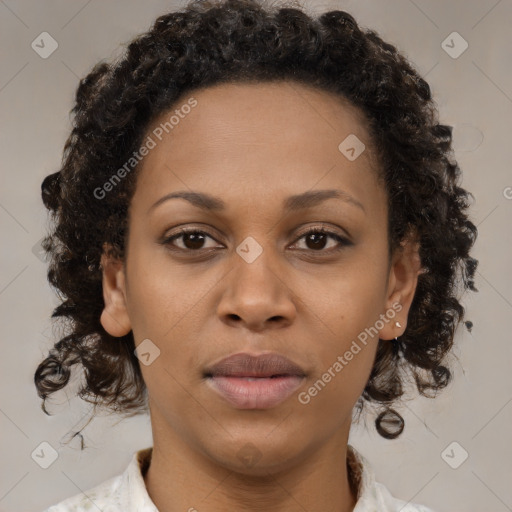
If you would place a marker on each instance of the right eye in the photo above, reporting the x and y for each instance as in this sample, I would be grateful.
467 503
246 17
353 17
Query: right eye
192 239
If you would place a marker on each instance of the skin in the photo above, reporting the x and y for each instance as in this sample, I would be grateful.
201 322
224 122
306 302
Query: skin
254 145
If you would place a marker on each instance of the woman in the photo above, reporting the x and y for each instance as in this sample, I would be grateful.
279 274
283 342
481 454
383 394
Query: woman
258 229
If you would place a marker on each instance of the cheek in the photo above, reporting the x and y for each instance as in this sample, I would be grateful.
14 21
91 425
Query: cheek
349 301
167 306
346 314
161 297
346 353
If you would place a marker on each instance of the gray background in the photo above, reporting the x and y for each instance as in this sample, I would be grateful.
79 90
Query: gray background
474 94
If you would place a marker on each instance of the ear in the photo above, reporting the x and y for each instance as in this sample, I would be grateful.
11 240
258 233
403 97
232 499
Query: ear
403 279
114 318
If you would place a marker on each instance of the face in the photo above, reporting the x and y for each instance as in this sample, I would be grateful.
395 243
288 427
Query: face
246 277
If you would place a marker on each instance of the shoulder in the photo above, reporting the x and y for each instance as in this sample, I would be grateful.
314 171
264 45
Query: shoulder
123 493
105 496
374 496
392 504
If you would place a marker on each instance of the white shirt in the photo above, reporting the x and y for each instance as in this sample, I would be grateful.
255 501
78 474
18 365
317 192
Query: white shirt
127 492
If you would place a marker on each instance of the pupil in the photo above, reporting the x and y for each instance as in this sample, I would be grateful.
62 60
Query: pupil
317 244
194 239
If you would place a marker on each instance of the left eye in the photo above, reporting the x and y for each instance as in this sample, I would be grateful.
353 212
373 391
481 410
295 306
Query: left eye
317 237
193 239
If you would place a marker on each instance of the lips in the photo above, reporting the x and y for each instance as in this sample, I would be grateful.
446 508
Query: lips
254 382
246 365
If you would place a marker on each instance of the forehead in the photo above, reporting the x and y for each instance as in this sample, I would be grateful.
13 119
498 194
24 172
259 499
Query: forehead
263 110
277 135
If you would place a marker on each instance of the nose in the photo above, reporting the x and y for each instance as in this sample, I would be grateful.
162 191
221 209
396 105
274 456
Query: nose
257 297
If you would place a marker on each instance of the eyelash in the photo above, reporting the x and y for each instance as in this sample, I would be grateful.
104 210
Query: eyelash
316 230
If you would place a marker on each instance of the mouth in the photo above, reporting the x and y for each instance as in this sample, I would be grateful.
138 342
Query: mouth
255 382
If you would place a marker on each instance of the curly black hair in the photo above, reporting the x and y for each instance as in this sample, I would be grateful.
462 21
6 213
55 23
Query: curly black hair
212 42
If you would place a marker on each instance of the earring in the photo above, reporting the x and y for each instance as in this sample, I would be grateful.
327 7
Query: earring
398 325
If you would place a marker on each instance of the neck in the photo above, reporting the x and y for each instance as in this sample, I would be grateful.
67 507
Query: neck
181 479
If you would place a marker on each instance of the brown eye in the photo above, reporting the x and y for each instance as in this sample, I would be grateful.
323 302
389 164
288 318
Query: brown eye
192 239
316 240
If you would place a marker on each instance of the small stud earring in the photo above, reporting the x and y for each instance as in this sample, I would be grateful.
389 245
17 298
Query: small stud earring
398 325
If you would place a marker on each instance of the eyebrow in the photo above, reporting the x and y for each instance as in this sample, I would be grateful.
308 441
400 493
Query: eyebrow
293 203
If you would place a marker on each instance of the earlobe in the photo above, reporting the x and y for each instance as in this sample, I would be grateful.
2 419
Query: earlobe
402 283
114 318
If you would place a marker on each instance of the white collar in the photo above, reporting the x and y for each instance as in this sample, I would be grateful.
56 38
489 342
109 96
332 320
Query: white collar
127 492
